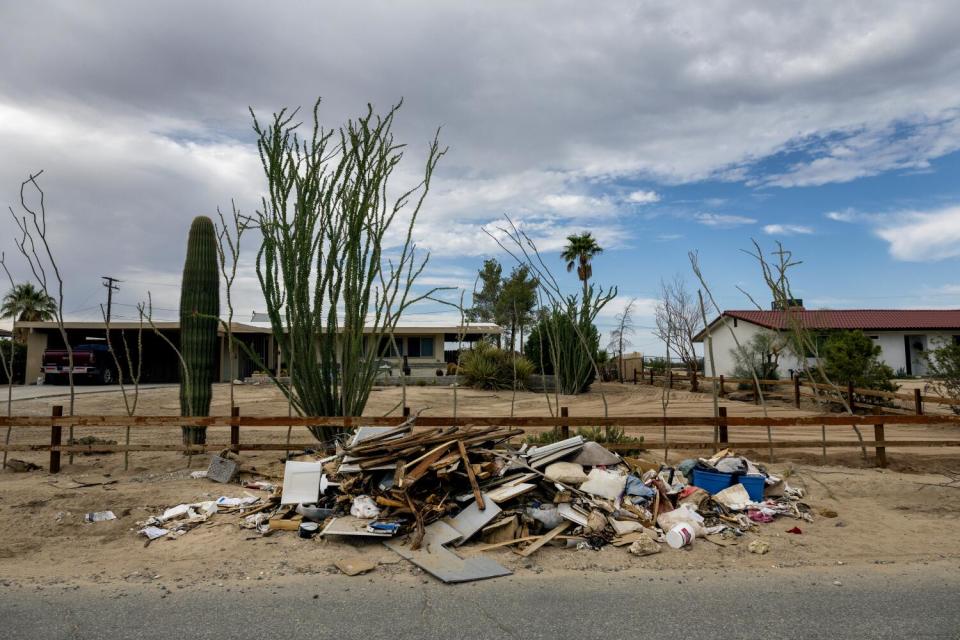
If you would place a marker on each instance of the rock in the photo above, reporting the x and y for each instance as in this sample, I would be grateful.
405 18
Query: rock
644 546
759 547
354 565
827 513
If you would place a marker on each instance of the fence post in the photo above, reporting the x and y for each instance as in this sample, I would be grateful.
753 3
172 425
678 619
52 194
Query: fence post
406 411
235 430
694 385
853 403
724 436
651 377
756 391
564 428
723 390
918 401
670 379
881 451
634 376
796 391
56 434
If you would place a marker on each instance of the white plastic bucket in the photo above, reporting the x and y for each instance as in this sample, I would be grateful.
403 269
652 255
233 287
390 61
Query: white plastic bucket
681 535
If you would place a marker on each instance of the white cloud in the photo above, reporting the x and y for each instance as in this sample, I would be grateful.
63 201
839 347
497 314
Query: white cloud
924 236
643 197
786 229
847 215
723 221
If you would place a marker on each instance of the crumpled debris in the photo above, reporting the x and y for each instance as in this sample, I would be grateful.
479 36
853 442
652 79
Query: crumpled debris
644 545
759 547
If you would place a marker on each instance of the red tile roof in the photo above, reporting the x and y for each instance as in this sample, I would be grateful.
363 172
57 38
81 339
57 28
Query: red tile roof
865 319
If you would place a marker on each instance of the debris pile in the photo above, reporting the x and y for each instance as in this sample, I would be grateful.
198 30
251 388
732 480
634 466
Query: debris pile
425 493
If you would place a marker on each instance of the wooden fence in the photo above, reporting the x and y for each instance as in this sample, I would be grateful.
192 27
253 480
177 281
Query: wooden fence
720 427
849 391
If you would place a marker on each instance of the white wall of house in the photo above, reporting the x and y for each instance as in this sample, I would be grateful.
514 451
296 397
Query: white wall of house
892 347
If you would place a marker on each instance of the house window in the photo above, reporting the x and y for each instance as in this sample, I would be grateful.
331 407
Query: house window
420 347
387 348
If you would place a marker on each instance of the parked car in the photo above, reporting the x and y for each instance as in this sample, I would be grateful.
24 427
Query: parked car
91 363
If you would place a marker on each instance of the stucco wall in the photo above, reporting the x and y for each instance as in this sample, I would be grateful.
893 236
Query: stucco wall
891 344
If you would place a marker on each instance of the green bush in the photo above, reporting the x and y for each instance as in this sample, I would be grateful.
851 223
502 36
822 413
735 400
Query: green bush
573 363
760 357
657 365
943 367
19 360
600 435
488 367
851 356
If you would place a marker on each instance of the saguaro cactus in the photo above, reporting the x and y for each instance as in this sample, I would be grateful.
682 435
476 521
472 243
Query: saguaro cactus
199 317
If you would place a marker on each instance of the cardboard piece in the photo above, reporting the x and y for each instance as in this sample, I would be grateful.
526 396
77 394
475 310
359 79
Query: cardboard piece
351 526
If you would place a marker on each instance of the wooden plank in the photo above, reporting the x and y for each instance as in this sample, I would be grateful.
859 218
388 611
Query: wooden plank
477 494
544 539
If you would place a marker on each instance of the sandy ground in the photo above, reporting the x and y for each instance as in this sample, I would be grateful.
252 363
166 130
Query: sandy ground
904 514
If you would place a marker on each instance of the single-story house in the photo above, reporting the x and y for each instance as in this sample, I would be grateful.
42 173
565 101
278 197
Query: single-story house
902 334
427 348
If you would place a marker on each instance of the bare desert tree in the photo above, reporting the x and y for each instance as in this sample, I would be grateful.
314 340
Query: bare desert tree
8 365
554 304
620 337
34 245
800 339
228 253
127 371
678 321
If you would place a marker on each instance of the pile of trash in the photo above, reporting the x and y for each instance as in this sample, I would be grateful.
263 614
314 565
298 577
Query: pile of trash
426 493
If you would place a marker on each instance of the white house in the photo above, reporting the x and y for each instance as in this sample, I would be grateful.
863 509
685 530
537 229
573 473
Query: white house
902 334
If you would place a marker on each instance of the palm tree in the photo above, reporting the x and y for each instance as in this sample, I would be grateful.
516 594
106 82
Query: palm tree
578 253
27 303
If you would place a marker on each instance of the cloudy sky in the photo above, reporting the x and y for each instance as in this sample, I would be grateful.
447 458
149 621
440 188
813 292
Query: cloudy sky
661 127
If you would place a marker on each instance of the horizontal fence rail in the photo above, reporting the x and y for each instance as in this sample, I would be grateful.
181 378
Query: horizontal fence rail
719 425
917 397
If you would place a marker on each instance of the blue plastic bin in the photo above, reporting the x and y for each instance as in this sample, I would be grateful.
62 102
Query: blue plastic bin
754 486
713 482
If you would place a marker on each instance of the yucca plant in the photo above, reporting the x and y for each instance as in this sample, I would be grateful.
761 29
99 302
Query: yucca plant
488 367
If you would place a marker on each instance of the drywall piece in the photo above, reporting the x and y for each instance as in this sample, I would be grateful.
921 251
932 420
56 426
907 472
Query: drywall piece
560 454
508 492
351 526
301 482
571 513
443 564
596 455
473 518
605 484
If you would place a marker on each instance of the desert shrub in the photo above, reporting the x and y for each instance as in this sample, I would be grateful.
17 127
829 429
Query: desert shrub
572 362
657 365
489 367
760 356
943 367
600 435
19 352
851 356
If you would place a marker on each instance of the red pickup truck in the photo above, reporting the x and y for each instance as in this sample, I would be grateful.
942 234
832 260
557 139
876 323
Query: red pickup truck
91 363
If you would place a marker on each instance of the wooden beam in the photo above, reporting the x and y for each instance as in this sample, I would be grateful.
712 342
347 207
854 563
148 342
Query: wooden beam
544 539
473 478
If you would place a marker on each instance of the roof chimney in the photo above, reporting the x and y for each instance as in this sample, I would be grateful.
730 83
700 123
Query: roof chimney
793 303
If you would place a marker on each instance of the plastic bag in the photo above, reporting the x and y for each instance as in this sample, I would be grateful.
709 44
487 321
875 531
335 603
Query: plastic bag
546 514
364 507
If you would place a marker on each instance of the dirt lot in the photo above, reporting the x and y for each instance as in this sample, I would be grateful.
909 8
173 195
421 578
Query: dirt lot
884 515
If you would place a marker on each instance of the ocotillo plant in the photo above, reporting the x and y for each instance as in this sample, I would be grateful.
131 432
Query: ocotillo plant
199 317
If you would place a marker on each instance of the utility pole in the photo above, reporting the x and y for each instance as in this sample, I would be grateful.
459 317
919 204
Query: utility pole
111 287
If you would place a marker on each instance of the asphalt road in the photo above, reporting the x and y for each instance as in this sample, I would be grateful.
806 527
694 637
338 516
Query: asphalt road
870 603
